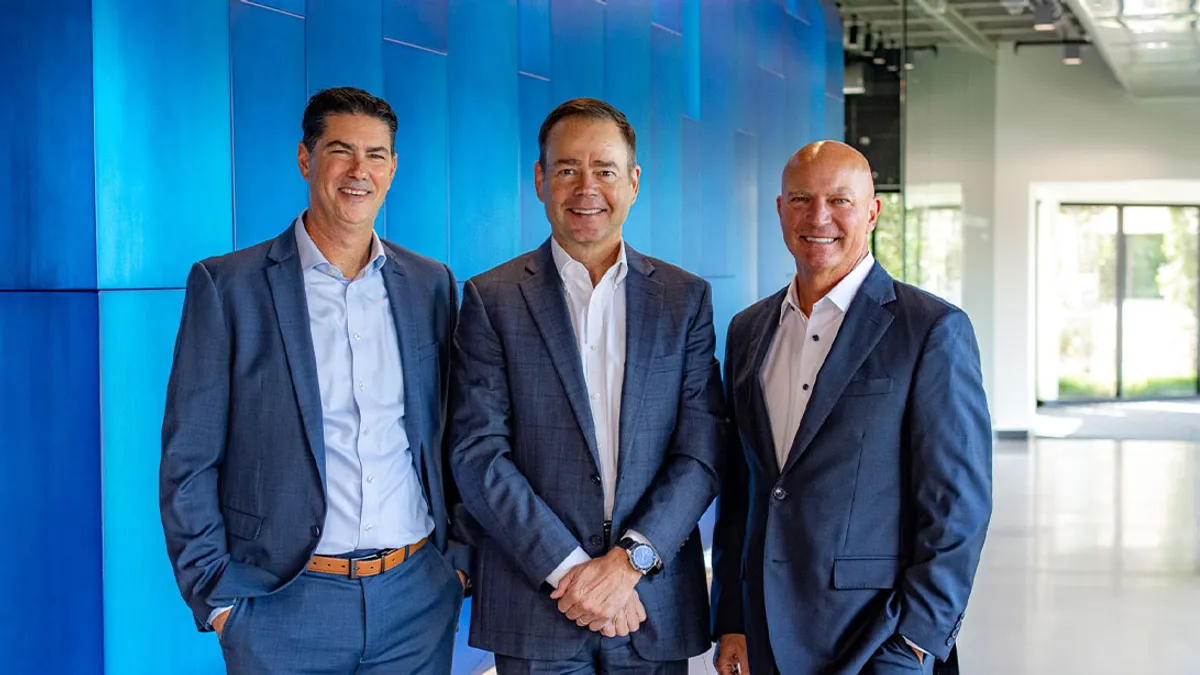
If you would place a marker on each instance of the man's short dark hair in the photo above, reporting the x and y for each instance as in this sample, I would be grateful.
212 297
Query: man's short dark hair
593 109
344 101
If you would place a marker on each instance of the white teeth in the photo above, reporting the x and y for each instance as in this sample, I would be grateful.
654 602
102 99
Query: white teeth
356 193
820 240
587 212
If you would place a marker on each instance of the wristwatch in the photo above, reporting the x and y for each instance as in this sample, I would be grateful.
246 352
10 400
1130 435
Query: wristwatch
641 556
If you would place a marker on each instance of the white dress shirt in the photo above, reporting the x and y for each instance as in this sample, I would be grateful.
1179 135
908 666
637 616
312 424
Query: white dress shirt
799 350
598 317
797 354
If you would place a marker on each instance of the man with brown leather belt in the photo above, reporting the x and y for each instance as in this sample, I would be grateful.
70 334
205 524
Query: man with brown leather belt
303 497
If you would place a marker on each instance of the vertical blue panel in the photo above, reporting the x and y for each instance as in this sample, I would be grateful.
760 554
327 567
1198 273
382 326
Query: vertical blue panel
268 102
693 176
746 65
835 73
744 224
577 49
534 37
421 23
535 105
798 113
775 264
47 185
343 42
664 179
416 89
50 485
835 118
815 45
693 42
164 195
137 335
668 14
484 144
770 35
628 86
717 24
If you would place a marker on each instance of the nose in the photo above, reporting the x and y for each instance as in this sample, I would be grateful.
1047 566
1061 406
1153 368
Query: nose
586 184
359 170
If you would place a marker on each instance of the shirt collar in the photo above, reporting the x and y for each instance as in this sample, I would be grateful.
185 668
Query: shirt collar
311 256
840 295
568 266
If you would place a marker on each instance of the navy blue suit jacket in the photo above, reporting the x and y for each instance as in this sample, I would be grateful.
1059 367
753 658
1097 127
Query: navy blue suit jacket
242 478
873 528
523 449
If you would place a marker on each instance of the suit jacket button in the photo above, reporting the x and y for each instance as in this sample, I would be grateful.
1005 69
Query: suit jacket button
779 493
316 531
596 478
596 540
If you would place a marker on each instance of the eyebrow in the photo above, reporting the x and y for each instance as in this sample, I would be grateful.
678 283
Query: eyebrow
837 191
351 147
599 163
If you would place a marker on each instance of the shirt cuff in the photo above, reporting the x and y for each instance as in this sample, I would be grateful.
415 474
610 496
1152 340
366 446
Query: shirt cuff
914 646
217 612
577 557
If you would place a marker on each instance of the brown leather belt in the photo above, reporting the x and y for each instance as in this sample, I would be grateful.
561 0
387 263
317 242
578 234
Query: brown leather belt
364 567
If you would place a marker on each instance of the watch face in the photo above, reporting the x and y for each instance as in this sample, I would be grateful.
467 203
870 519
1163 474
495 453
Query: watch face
643 557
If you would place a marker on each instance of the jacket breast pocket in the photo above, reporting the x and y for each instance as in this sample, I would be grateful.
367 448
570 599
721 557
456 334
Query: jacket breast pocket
877 572
868 386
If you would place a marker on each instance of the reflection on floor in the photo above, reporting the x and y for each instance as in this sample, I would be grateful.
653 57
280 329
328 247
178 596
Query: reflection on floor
1125 420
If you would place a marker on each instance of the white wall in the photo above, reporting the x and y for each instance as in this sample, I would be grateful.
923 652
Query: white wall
950 135
1063 125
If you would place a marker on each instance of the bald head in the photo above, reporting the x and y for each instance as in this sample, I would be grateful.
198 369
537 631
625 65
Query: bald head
832 156
827 210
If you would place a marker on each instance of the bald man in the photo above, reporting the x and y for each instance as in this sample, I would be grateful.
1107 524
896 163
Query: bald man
858 491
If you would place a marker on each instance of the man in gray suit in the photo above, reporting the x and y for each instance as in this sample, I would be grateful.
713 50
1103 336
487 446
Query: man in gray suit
586 416
302 489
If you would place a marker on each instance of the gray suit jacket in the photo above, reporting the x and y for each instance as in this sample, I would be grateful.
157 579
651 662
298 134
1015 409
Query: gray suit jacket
523 449
242 478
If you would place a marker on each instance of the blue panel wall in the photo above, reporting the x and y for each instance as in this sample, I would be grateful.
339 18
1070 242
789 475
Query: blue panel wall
47 187
167 132
164 179
137 331
416 87
50 487
267 48
484 146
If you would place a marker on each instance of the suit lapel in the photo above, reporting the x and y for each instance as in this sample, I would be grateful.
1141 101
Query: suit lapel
286 280
395 281
643 317
543 293
865 323
766 328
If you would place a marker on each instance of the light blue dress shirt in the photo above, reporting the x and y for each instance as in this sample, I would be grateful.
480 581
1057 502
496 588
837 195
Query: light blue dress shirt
373 493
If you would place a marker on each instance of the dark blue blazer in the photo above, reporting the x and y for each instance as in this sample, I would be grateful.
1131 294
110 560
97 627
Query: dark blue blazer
523 449
873 528
242 479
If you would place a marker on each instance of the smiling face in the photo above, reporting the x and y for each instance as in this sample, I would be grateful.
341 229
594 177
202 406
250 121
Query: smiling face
349 170
827 210
587 184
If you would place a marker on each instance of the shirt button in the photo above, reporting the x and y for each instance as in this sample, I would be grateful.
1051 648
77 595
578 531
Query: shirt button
370 479
779 494
369 528
356 337
804 387
594 348
596 540
361 386
595 396
366 432
816 338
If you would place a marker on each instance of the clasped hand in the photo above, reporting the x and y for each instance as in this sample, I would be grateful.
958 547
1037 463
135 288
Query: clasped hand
600 594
